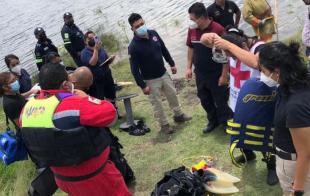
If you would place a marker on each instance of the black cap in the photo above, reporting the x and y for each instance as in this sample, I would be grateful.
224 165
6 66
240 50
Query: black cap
38 30
67 15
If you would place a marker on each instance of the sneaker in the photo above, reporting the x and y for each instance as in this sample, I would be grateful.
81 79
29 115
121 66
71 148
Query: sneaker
250 156
135 131
166 129
182 118
141 125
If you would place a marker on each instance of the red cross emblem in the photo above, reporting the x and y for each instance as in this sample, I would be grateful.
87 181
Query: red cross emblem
238 74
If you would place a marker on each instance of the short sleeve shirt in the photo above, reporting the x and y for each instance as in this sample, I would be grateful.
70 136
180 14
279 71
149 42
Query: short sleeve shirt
224 16
291 112
202 58
98 71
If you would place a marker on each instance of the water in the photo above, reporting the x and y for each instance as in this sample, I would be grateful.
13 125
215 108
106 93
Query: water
169 17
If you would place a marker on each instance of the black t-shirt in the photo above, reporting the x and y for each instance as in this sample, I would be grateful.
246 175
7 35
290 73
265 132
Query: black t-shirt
13 105
224 16
291 112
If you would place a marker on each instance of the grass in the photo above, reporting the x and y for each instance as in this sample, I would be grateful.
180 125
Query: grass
153 154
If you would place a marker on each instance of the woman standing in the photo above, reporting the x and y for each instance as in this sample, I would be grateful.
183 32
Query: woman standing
259 15
283 65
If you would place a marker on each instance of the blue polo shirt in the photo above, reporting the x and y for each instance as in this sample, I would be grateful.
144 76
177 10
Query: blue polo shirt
98 72
146 58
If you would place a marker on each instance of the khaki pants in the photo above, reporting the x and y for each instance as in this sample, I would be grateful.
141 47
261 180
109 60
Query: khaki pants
286 172
159 86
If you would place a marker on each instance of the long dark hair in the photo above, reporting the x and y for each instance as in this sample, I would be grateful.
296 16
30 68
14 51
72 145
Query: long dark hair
293 72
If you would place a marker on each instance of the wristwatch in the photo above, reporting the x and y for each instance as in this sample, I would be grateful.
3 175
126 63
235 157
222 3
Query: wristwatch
298 193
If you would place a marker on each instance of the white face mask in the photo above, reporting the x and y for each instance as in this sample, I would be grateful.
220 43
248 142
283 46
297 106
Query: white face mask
17 69
268 80
192 25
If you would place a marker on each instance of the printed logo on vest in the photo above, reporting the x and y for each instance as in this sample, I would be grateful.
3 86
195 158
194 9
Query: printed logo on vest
35 111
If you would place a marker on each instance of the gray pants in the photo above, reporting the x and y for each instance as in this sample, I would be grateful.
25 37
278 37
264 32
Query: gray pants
159 86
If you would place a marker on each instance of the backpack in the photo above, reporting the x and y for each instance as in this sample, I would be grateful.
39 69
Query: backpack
179 182
118 158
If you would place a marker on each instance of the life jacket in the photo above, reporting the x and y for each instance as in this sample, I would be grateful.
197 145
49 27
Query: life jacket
252 125
50 146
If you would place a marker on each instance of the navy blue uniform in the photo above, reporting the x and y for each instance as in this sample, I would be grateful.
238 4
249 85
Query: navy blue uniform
42 49
224 16
73 39
24 81
103 85
146 58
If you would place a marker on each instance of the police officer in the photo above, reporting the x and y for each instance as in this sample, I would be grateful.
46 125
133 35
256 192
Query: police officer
43 47
223 11
62 130
73 38
211 77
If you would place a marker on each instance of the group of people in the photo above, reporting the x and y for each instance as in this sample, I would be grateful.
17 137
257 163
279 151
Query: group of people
64 119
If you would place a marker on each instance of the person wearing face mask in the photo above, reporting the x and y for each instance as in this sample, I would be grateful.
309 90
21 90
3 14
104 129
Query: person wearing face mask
146 52
283 64
260 86
12 62
64 131
82 78
13 100
93 55
211 77
73 38
43 47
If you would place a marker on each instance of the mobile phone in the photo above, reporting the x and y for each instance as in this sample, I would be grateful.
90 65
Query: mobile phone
97 40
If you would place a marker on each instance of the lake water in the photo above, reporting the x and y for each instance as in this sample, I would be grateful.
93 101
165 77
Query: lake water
169 17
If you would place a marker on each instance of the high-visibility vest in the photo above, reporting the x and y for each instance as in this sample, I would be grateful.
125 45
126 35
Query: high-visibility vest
50 146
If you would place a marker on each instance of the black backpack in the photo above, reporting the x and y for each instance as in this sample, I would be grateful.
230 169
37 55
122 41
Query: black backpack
179 182
118 158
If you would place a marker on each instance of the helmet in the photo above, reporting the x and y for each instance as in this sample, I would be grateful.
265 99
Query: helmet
38 31
67 15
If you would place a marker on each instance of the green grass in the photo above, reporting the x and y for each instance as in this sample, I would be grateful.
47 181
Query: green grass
153 154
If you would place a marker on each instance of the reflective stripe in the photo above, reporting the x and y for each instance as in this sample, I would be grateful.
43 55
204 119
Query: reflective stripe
232 124
67 113
67 43
271 137
255 135
250 142
256 128
270 145
39 60
232 132
66 35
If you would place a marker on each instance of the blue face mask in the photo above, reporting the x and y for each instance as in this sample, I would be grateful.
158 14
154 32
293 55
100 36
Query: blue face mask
15 86
142 31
